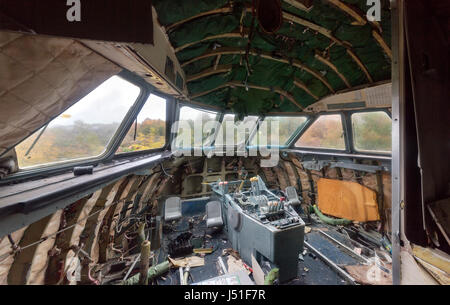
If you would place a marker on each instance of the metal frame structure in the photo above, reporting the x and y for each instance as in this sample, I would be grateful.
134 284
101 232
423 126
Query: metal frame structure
110 150
348 133
397 135
311 118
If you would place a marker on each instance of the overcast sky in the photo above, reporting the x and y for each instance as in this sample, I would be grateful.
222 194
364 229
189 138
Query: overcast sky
188 113
109 103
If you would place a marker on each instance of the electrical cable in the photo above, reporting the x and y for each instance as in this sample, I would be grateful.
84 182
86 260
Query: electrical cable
19 249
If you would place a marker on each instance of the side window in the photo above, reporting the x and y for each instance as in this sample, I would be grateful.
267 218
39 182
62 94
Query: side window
286 128
195 127
82 131
372 132
326 132
149 130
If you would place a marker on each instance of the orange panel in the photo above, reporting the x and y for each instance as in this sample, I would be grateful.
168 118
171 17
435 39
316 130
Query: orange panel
347 200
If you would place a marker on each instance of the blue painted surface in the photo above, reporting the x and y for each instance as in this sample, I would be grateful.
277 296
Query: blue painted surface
193 208
330 250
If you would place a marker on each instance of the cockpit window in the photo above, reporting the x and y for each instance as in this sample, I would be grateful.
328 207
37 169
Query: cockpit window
195 128
149 130
372 131
326 132
234 132
269 135
82 131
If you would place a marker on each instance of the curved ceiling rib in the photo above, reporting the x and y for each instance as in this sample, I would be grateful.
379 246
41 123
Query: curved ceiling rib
327 33
324 31
360 20
334 68
301 85
295 62
219 36
239 35
216 52
232 84
382 43
376 35
209 72
349 27
286 16
223 10
360 64
290 17
228 68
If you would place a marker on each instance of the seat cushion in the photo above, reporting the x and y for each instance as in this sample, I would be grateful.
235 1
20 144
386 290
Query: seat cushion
292 196
172 209
214 214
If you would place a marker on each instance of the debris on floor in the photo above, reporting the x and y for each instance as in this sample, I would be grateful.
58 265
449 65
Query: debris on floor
181 245
235 265
370 274
436 262
232 252
238 278
258 273
192 261
153 272
203 250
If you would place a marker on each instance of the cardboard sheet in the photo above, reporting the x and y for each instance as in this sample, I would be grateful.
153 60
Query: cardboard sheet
347 200
192 261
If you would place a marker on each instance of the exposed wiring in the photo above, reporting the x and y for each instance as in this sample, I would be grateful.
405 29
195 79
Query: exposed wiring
132 267
69 265
165 173
19 249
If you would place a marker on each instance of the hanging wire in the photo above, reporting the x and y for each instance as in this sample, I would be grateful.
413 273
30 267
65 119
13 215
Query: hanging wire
165 173
19 249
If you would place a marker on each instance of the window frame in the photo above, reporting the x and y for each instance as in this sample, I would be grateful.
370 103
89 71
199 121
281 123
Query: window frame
291 137
180 105
349 115
170 109
109 152
313 119
241 144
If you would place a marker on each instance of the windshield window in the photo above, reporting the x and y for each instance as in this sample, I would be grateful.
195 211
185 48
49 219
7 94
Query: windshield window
277 130
372 131
233 133
196 128
82 131
326 132
150 131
